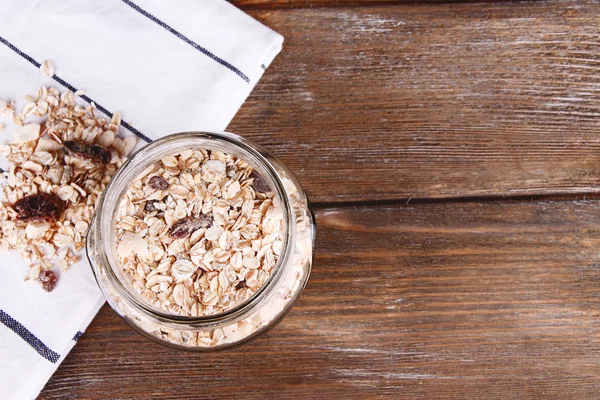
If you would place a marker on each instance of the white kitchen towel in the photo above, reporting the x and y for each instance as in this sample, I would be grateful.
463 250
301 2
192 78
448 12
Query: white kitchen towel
167 66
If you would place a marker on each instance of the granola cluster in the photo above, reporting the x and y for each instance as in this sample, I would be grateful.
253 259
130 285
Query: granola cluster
198 232
57 170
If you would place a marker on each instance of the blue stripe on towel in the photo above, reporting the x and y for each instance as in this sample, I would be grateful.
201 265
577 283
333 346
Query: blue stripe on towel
187 40
29 337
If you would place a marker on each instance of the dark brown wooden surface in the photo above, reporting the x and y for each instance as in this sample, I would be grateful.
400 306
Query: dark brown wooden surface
443 100
438 298
489 300
278 4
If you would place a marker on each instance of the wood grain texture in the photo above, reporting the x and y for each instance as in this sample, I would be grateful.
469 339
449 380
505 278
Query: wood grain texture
459 300
248 5
277 4
452 100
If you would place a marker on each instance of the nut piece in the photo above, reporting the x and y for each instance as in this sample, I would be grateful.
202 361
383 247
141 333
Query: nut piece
106 138
125 145
36 230
47 143
213 170
132 244
42 157
26 133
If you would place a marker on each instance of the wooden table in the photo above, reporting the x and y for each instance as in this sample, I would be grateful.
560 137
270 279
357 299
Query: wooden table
452 152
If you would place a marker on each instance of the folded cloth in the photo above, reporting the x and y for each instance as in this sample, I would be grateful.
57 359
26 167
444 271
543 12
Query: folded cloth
167 67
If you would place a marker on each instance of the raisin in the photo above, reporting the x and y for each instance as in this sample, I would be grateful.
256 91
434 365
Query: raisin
94 152
240 285
159 183
39 207
150 207
48 280
186 226
259 184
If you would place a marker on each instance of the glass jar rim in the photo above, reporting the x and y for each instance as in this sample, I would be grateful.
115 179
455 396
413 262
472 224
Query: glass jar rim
257 155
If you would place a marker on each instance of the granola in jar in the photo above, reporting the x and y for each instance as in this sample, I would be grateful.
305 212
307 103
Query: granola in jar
204 241
198 232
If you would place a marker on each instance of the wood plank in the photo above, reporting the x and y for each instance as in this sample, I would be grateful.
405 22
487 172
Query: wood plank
437 101
275 4
494 300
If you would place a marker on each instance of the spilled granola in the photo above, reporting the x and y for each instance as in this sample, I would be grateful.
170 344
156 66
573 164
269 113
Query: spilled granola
198 232
58 167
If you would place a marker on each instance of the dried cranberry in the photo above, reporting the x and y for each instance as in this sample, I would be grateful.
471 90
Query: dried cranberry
240 285
159 183
93 152
186 226
259 184
48 280
39 207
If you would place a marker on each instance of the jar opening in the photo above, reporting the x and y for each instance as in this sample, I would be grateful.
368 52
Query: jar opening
105 229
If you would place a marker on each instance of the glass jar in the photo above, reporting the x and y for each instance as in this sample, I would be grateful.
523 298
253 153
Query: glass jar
257 314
